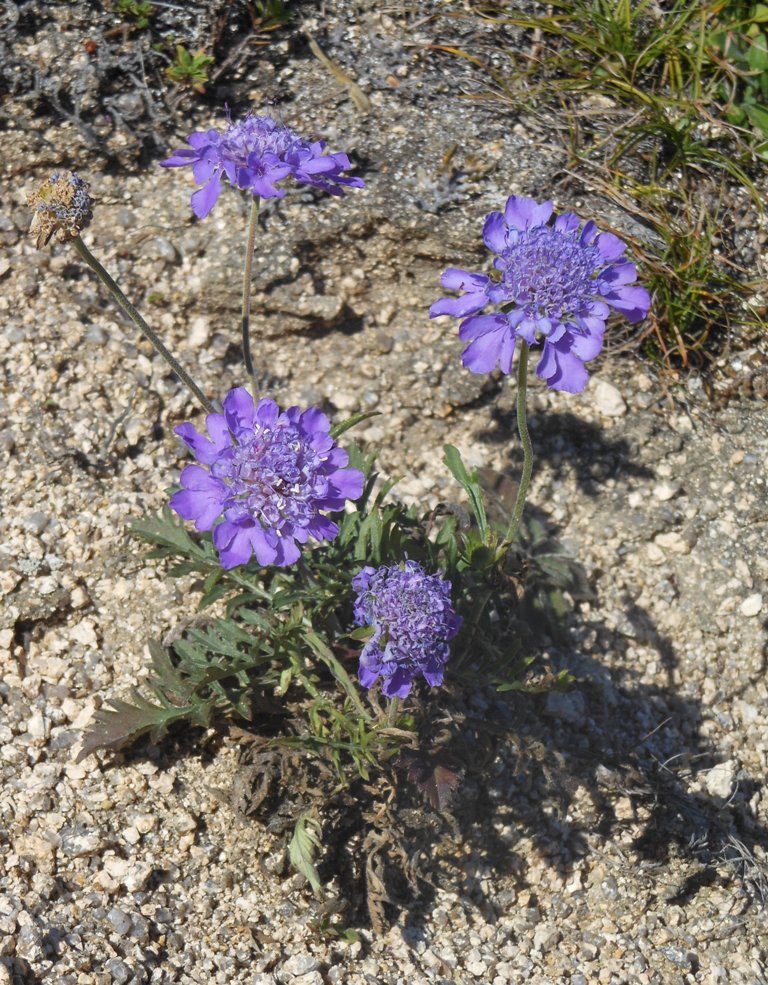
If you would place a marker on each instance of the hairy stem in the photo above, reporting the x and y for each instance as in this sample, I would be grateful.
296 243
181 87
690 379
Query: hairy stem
246 308
525 439
139 322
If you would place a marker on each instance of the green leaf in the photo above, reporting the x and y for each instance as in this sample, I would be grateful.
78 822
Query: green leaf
123 722
470 484
303 849
338 429
758 54
758 116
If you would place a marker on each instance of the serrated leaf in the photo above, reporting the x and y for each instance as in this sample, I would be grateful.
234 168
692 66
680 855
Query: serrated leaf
303 849
123 722
163 529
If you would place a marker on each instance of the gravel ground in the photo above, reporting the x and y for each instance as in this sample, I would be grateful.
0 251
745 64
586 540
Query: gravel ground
620 835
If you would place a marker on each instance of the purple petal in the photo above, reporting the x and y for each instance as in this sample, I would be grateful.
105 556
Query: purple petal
203 138
321 528
205 198
348 484
587 347
495 232
180 158
455 279
267 413
239 411
235 543
314 420
201 499
633 302
398 685
561 369
618 274
459 307
474 328
486 352
567 223
205 451
524 213
610 246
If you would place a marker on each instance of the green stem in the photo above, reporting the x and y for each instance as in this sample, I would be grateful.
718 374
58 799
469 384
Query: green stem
525 438
139 322
247 273
392 712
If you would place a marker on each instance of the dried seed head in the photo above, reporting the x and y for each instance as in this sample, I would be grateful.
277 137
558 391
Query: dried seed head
61 205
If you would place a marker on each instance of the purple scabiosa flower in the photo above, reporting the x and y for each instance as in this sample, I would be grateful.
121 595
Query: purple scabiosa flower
556 284
254 155
269 475
413 619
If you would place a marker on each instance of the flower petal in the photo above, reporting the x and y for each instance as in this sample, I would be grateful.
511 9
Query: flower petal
524 213
239 411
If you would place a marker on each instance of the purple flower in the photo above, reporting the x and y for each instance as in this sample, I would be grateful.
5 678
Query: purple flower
269 475
556 284
254 155
413 620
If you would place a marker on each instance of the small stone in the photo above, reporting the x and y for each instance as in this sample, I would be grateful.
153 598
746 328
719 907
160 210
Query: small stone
721 779
199 332
546 937
36 522
673 542
134 430
665 491
119 971
131 835
751 605
120 920
300 964
607 399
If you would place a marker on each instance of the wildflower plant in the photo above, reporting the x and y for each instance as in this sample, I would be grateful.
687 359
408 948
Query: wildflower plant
346 622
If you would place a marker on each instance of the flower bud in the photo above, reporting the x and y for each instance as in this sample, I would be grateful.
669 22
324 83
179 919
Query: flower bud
61 205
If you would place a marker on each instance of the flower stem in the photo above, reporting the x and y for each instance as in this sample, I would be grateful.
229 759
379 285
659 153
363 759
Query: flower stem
139 322
392 712
525 439
247 272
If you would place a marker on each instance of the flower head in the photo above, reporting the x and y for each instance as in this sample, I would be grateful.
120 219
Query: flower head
61 205
413 620
254 155
556 284
269 474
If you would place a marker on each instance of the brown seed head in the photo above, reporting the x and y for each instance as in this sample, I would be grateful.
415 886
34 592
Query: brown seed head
61 205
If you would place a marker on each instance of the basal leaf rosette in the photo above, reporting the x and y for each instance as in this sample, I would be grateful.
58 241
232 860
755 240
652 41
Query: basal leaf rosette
265 479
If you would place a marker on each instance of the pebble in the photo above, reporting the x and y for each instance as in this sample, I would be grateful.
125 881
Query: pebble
120 920
36 522
665 491
300 964
720 781
607 398
752 605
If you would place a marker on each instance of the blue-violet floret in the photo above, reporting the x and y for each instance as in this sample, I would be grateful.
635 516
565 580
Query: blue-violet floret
269 475
255 154
556 284
413 620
